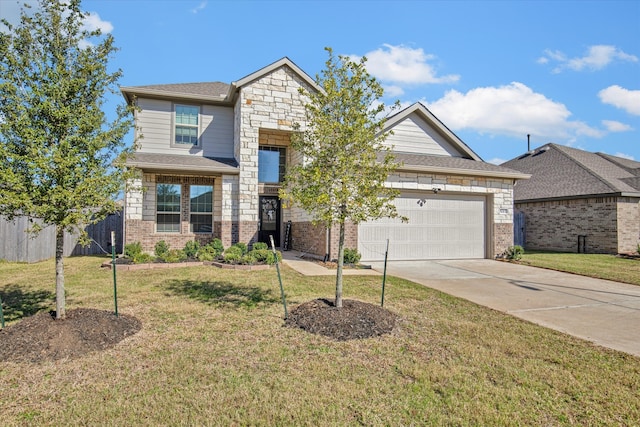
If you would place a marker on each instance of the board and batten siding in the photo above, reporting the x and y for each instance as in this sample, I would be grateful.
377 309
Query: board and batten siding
155 123
413 135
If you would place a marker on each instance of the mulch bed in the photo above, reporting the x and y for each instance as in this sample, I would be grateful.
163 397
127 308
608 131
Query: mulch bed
355 320
42 338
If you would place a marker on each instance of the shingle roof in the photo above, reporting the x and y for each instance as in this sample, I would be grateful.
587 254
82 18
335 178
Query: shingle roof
421 162
563 172
183 163
215 91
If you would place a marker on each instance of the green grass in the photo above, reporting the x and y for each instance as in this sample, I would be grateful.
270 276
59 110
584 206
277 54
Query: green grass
601 266
213 351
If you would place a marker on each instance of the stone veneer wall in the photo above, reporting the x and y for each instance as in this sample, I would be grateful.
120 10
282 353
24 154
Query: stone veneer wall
628 224
269 103
610 224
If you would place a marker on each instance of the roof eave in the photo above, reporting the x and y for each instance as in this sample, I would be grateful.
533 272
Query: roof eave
130 92
465 172
189 170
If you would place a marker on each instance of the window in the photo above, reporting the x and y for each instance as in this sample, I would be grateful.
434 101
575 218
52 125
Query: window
168 208
201 208
186 131
271 164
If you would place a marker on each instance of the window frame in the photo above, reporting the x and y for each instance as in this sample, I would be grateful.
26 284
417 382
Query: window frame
208 214
282 159
172 213
175 125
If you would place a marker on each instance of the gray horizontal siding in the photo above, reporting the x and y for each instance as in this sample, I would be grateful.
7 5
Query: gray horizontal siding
412 135
155 122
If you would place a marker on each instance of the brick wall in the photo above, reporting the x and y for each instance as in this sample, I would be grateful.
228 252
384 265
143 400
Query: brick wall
556 225
502 237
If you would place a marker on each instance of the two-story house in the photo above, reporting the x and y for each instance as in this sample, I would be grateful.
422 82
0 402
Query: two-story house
212 157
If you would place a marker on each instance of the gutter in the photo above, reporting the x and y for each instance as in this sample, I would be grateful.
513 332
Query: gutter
466 172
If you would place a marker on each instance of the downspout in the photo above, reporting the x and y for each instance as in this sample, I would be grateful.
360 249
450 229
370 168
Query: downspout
327 249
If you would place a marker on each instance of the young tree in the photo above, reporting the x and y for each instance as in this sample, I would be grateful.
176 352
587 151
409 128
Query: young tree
62 160
344 162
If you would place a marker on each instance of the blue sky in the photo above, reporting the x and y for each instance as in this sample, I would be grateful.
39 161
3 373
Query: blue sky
493 71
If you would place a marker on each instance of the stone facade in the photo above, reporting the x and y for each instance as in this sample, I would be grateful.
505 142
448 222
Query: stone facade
608 224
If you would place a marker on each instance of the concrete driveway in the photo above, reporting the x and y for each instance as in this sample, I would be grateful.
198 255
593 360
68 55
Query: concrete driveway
604 312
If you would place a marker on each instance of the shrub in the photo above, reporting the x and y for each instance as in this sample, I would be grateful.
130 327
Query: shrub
266 256
191 249
351 256
248 259
260 246
514 253
217 245
174 255
232 257
133 251
161 249
242 247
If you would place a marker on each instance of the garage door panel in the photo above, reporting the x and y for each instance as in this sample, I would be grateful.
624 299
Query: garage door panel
440 227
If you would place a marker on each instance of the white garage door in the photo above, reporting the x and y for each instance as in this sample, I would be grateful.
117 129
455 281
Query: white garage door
440 226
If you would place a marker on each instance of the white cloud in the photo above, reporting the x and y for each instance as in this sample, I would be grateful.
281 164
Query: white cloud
513 110
596 58
93 22
624 156
615 126
404 65
393 91
199 7
496 161
619 97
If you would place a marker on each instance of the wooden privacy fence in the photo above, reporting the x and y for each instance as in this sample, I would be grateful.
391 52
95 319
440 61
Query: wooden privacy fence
18 245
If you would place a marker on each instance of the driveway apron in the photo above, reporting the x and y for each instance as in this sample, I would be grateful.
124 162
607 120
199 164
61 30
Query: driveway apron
601 311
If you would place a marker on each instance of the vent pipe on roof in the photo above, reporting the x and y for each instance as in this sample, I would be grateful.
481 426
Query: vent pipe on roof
528 143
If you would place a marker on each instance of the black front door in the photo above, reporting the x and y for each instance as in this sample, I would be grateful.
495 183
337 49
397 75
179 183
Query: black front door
269 219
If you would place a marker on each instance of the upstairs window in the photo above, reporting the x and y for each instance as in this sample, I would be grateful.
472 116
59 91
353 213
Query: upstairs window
201 208
186 131
271 164
168 208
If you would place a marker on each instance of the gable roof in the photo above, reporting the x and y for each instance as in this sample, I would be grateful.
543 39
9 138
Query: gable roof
426 115
214 92
560 172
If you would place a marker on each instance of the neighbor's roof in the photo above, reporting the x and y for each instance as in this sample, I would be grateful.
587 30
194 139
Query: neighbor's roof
165 163
559 172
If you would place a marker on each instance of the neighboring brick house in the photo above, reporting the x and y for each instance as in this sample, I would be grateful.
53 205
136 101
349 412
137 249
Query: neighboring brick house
212 157
577 201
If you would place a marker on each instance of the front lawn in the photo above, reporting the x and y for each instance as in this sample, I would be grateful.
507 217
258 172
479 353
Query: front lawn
601 266
213 351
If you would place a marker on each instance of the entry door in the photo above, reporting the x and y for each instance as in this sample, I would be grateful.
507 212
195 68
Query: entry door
269 219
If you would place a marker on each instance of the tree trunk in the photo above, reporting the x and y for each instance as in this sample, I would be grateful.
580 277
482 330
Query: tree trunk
60 304
340 265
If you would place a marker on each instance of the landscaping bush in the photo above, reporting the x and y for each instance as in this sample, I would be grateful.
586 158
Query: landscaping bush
266 256
242 247
133 251
174 255
259 246
514 253
161 249
351 256
191 249
211 250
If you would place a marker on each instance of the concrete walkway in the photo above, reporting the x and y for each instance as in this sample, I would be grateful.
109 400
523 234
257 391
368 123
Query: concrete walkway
601 311
309 268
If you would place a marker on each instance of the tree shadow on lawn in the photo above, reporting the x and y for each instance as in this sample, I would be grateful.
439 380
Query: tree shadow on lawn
18 303
222 293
